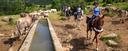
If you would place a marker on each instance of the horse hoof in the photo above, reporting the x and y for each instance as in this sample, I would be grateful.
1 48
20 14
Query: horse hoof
97 49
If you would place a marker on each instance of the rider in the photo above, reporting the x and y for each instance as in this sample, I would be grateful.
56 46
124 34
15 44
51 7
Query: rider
96 11
79 11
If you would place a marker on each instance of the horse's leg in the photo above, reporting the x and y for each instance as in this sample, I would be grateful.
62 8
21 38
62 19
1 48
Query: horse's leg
90 34
97 41
96 38
68 18
79 24
87 32
24 31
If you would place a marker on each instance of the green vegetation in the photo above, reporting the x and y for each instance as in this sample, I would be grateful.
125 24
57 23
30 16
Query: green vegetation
116 39
55 16
123 5
9 7
58 4
8 25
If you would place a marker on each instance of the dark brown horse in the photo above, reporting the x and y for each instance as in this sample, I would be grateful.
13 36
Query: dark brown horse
96 26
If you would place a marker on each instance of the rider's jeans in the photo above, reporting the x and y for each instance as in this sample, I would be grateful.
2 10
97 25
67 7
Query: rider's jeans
91 20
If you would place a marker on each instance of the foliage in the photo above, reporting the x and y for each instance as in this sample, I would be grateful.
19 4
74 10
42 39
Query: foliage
55 16
123 5
11 7
8 7
58 4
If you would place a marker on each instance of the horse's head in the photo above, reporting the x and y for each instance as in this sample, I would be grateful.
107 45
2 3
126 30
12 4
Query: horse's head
104 10
100 19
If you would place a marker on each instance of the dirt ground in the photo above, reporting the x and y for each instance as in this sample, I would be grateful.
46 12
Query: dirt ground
4 43
6 31
74 39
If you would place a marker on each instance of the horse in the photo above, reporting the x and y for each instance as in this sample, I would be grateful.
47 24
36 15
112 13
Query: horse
123 15
67 13
78 18
23 24
96 26
34 16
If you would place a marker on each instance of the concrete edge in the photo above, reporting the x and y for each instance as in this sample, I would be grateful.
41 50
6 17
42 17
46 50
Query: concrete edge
56 43
26 44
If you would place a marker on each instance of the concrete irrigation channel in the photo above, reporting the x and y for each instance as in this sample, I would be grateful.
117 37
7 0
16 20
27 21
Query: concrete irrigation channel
41 37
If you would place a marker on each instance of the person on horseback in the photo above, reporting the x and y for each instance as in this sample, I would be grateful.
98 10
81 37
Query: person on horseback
80 13
95 23
96 12
68 12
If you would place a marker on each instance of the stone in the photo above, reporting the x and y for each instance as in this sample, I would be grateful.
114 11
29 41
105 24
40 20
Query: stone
6 19
112 35
112 43
109 49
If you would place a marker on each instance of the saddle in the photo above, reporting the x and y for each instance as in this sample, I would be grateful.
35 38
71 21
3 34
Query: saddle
91 20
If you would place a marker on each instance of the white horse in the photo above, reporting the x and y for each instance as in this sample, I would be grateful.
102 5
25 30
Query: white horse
23 24
79 19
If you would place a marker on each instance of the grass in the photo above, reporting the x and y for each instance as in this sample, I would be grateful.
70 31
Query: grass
55 16
123 5
10 25
116 39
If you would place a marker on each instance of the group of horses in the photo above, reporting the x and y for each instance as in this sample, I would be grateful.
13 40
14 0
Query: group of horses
25 22
123 14
68 12
96 26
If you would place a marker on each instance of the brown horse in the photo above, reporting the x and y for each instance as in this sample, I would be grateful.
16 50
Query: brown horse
96 26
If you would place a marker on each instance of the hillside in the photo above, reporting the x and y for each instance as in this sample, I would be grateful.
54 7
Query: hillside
40 1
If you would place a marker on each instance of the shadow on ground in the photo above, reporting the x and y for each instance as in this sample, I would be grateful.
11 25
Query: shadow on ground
80 44
10 41
68 26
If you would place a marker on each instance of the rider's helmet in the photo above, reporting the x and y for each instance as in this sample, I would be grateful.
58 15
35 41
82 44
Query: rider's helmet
79 9
95 3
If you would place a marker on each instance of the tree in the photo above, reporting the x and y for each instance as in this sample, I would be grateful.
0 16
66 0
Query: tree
72 3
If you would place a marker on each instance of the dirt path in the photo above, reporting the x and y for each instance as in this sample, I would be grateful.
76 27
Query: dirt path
73 39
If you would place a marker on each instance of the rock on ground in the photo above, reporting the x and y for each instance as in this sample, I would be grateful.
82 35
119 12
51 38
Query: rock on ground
112 43
112 35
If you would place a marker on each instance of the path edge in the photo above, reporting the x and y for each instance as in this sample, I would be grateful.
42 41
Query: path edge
56 43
